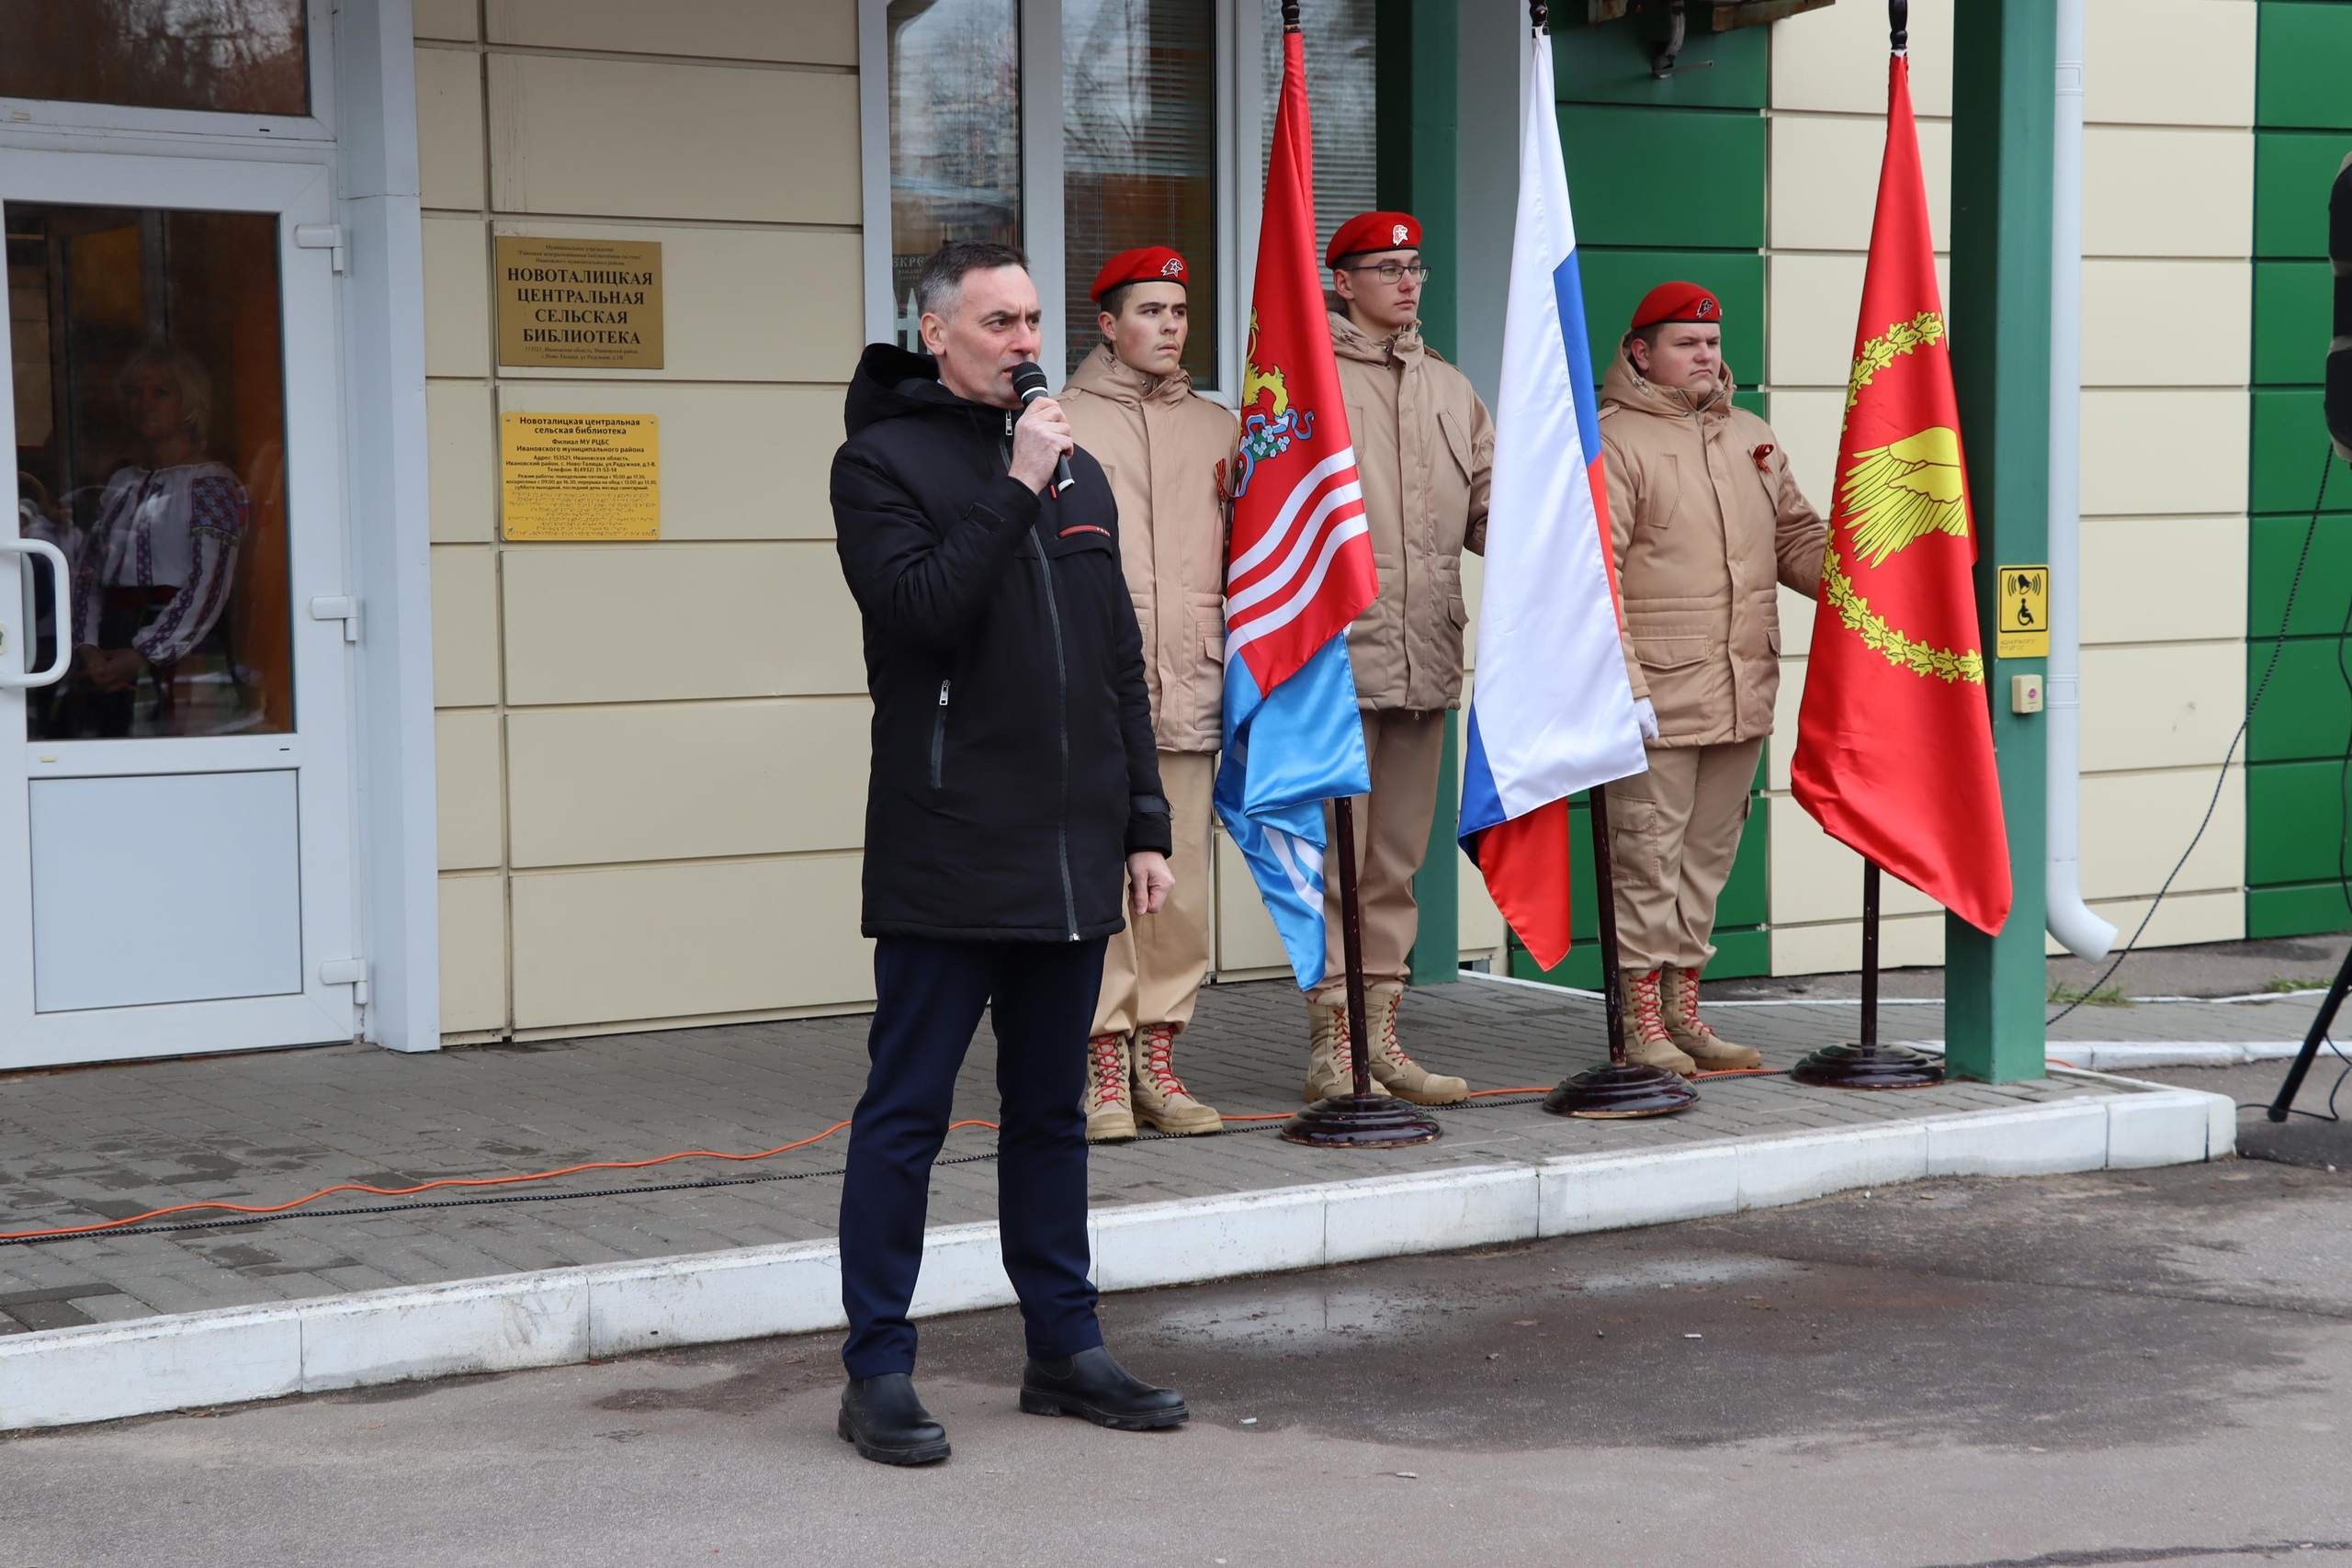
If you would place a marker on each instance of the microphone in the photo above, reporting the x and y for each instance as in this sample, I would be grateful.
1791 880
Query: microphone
1029 385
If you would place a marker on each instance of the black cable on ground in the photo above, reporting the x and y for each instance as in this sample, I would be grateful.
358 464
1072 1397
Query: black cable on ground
238 1220
2277 648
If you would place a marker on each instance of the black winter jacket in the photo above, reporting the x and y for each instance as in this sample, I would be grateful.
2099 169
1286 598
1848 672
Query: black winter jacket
1013 765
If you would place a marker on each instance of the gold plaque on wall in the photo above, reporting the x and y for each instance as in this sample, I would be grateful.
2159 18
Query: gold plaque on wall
594 304
580 476
2023 627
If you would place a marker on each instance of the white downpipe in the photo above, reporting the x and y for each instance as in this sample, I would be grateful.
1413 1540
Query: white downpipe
2070 920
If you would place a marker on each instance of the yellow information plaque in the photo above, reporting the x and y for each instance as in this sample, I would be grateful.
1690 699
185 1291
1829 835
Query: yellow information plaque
2024 623
580 476
590 303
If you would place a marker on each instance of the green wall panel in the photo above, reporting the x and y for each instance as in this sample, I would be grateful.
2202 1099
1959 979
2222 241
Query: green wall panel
1611 65
2294 306
1746 901
2294 821
2293 171
2304 910
2306 713
2305 50
1615 282
2274 543
1665 179
2289 442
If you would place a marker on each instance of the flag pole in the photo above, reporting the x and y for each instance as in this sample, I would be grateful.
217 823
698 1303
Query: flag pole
1620 1089
1864 1063
1362 1118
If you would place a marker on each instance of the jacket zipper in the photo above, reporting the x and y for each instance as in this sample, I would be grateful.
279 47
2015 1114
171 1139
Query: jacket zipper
1062 710
939 737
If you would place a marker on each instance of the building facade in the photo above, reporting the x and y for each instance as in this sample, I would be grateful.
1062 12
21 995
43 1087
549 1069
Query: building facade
429 775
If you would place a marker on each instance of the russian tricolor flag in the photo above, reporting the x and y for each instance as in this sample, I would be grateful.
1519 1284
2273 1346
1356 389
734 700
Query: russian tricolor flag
1552 711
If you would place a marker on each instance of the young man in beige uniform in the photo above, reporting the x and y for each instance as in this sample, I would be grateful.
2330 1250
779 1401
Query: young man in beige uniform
1706 519
1424 448
1166 451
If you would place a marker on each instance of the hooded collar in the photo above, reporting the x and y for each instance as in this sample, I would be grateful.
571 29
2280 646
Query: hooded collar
892 382
1352 342
1627 388
1105 375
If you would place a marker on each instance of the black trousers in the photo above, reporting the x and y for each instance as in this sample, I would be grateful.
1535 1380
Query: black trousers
928 997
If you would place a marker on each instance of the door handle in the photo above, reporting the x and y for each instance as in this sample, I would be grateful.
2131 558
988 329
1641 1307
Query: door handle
63 602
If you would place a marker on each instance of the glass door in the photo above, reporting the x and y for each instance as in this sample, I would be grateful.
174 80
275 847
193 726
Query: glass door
175 862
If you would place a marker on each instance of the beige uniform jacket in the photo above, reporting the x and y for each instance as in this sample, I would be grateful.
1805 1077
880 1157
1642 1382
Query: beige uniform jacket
1425 449
1706 519
1168 452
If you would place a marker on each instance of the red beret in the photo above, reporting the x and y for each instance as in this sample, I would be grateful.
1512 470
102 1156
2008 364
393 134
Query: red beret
1152 264
1676 303
1374 231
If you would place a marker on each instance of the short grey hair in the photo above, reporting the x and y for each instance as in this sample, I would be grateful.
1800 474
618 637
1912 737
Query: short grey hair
942 274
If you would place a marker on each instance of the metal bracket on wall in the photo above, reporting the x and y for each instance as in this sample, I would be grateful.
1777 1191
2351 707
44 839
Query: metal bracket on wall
1728 14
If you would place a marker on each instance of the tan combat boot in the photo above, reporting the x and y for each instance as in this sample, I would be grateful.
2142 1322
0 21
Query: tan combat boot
1395 1071
1110 1118
1646 1040
1329 1069
1161 1100
1704 1046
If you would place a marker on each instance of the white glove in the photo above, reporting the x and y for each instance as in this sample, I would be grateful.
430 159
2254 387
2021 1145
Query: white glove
1646 714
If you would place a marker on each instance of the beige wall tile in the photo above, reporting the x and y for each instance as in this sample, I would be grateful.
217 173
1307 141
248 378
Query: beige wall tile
2169 62
1824 181
461 453
468 800
819 32
646 622
2167 323
2159 454
1807 421
464 626
1246 938
2169 706
1815 877
1834 60
444 19
1474 590
2162 579
2183 920
1481 926
658 780
1782 746
456 297
449 126
1813 302
743 305
2136 825
2149 192
636 138
1796 623
473 953
630 943
1908 942
741 462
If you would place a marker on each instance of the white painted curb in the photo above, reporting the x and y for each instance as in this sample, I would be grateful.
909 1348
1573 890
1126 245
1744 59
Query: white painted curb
548 1318
2117 1055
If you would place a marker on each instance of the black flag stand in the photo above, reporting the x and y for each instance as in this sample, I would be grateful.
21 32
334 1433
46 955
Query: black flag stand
1866 1063
1361 1119
1622 1089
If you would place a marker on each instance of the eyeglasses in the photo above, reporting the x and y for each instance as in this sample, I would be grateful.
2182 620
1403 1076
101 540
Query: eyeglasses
1395 272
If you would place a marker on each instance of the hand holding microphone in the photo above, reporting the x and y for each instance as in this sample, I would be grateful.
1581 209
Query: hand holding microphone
1042 441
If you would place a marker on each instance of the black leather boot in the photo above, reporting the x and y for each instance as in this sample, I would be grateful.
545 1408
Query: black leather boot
1093 1385
887 1423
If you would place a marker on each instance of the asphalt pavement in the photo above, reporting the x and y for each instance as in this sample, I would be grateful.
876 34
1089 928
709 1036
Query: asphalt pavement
2126 1368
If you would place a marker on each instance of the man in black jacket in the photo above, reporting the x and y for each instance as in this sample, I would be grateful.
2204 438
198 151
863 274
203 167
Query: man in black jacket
1014 796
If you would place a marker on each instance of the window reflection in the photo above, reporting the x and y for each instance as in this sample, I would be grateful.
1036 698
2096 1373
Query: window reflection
240 56
149 407
1344 92
1139 153
955 135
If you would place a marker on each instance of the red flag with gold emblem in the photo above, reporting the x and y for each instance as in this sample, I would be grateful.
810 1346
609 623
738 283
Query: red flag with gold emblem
1895 741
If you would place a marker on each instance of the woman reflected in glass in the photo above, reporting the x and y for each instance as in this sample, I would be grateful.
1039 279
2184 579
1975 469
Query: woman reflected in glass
159 563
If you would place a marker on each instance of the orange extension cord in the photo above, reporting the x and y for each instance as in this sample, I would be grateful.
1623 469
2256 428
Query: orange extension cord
104 1225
